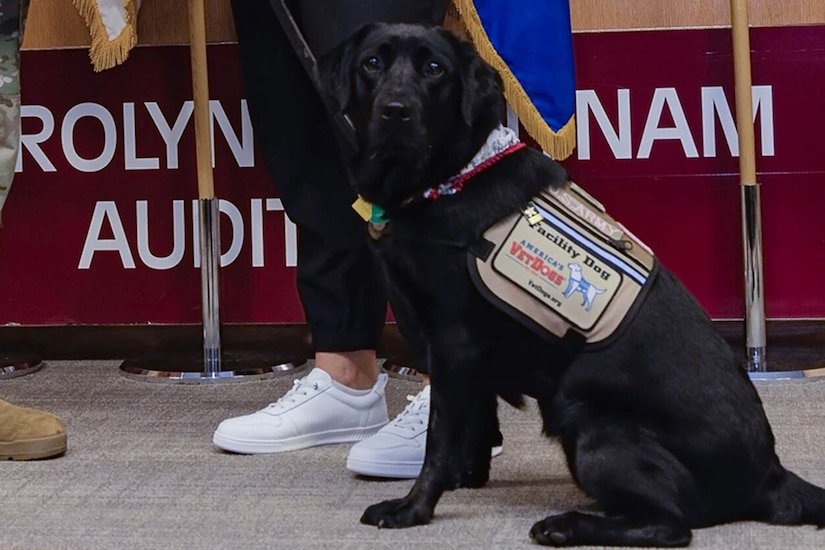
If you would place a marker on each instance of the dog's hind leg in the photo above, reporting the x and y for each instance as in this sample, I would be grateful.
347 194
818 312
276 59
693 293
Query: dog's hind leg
578 529
640 485
790 500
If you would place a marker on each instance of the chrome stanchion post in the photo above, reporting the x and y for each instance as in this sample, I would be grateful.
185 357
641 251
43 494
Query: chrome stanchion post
755 333
210 247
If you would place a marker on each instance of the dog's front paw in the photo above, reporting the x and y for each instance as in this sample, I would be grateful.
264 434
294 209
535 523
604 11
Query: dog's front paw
475 478
395 514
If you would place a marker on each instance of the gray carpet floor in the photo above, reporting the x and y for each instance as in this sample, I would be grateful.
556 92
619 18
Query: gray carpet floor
141 473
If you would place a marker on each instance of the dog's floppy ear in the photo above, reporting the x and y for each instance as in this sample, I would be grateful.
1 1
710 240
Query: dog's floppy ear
335 68
558 175
334 72
482 85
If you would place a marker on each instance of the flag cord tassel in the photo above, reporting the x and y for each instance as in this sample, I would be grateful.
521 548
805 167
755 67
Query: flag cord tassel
106 53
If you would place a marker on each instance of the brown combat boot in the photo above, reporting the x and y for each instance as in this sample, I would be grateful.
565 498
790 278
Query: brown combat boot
29 434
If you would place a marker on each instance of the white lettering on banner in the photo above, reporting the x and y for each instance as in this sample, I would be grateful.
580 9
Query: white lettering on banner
242 147
243 150
31 142
715 102
106 119
178 241
171 135
106 214
653 132
132 161
715 105
290 232
106 210
587 101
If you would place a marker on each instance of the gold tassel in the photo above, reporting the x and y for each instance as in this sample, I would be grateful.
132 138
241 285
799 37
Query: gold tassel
558 145
106 53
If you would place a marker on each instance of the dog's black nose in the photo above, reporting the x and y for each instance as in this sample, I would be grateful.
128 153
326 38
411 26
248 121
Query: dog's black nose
395 110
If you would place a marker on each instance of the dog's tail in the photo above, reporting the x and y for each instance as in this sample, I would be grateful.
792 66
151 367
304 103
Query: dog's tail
791 500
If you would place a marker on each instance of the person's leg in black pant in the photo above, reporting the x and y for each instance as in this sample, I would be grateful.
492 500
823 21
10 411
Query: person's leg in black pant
339 285
344 301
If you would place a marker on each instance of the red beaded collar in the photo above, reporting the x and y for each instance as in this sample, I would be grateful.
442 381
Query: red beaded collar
501 142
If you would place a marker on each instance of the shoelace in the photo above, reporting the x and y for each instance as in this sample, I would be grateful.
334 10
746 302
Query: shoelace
416 413
299 387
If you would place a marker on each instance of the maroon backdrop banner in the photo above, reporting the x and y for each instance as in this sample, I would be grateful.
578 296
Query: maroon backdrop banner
100 225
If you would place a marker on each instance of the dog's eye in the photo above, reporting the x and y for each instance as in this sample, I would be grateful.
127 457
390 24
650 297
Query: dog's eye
372 64
434 69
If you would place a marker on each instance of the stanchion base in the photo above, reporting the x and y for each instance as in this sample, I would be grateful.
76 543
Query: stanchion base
787 375
191 371
12 368
396 370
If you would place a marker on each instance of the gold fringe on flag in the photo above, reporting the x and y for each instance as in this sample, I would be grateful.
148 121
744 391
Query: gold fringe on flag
106 53
558 144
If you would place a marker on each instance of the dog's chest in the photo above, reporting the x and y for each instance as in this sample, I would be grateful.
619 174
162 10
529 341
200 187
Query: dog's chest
420 261
425 274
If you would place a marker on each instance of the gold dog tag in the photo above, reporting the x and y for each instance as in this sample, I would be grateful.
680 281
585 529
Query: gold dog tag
363 208
533 216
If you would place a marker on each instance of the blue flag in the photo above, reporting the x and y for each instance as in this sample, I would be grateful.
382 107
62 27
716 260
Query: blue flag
530 43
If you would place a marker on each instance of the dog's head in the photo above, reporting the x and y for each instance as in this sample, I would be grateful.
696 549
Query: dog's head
421 100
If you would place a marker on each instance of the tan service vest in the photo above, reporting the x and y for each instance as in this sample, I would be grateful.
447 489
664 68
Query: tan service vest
564 264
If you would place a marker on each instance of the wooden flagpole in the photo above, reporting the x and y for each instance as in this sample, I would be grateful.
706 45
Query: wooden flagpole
200 92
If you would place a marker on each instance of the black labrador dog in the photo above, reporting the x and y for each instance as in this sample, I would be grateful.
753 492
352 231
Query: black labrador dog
662 427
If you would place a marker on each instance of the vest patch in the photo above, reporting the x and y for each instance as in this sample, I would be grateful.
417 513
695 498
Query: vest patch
564 264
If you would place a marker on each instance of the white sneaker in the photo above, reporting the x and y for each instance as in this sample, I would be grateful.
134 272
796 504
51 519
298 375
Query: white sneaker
315 411
397 450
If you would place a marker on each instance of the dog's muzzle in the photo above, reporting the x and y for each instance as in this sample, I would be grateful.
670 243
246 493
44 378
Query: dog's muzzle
397 111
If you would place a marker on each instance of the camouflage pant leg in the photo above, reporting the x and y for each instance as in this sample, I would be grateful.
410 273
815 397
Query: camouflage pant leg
12 20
